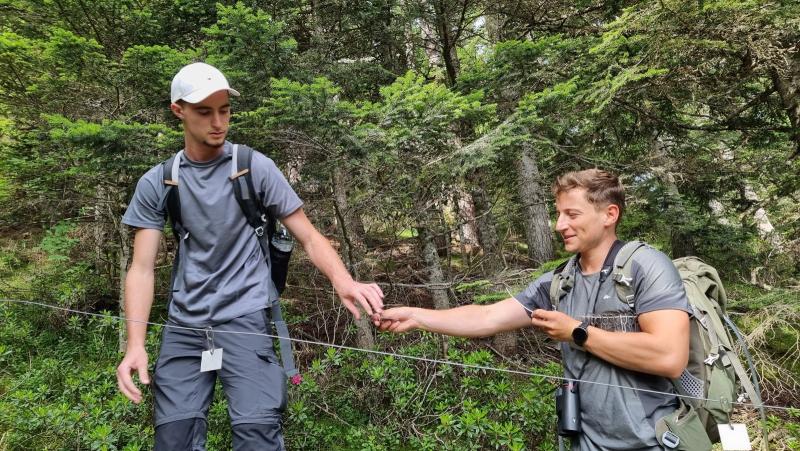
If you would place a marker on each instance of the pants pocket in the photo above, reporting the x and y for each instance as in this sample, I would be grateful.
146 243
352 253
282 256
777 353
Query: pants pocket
274 376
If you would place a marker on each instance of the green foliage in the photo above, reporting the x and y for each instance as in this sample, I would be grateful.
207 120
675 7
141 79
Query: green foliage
473 409
250 47
791 427
548 266
57 243
413 140
147 72
471 285
57 393
606 89
308 119
62 277
694 103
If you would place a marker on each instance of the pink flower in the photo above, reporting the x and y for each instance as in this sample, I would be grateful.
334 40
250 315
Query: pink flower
296 379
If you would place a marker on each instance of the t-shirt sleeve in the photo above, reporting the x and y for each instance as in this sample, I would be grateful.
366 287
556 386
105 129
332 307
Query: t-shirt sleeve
278 196
536 295
143 211
657 283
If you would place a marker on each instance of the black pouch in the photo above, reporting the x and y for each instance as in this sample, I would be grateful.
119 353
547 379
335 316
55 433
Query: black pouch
568 409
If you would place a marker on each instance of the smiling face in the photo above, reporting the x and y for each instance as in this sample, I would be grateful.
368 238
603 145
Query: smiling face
583 225
205 123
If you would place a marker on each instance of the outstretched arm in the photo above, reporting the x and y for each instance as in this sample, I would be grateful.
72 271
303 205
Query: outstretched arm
324 257
466 321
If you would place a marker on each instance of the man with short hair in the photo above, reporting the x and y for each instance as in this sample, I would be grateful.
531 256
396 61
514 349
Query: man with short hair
221 281
602 338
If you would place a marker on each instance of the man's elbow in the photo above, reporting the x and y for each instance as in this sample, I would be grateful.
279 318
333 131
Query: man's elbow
674 365
140 274
674 372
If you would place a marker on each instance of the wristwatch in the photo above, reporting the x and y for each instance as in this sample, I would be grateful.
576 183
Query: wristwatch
581 333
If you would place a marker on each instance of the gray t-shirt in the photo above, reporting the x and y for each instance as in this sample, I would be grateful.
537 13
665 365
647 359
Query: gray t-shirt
222 272
615 418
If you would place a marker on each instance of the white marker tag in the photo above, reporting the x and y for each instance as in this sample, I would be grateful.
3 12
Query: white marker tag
211 360
734 437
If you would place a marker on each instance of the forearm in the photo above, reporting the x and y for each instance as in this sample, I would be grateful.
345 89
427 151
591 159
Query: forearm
139 286
637 351
470 321
326 259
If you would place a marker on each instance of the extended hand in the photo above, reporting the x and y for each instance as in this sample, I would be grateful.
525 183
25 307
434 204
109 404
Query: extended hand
557 325
368 295
135 360
400 319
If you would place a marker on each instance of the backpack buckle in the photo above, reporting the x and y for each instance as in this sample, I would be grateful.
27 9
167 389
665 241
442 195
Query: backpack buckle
260 231
621 279
670 440
711 359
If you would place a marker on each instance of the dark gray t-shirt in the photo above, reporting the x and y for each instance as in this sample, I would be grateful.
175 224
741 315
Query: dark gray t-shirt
223 273
616 418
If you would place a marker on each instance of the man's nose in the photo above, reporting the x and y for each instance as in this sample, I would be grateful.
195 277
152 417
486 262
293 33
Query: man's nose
216 120
561 223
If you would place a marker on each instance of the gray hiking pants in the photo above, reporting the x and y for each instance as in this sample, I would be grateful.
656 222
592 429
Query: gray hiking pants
251 375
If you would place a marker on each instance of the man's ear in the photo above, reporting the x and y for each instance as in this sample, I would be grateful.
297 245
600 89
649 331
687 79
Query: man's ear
177 110
612 214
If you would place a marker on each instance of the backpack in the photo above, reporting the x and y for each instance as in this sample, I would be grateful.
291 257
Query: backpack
713 368
275 242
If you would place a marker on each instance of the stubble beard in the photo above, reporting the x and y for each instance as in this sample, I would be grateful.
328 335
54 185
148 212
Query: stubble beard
213 144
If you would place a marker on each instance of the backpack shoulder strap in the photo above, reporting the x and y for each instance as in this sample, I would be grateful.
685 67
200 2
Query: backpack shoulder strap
563 279
263 224
623 272
245 193
170 197
243 188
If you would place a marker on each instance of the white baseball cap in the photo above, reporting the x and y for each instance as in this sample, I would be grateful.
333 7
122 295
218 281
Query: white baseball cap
195 82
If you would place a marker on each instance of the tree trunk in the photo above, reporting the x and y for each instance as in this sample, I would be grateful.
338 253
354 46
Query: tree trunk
447 41
467 225
98 229
487 232
433 265
391 50
352 248
494 28
431 50
534 207
124 258
788 87
681 239
504 343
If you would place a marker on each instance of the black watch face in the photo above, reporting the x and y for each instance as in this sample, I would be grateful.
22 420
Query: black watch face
579 336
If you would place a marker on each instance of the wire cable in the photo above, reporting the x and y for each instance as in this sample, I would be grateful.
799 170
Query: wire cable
401 356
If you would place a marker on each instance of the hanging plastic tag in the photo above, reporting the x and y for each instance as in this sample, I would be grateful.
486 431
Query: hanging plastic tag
734 437
211 360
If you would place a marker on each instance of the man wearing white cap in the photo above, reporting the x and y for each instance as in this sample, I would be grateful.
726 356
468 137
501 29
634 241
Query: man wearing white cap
221 280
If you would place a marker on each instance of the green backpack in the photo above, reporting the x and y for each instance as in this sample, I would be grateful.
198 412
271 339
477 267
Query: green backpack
714 368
